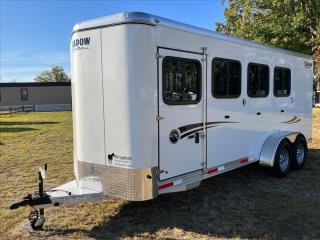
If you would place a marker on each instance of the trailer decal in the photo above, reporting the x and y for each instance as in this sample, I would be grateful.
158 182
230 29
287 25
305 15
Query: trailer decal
295 119
81 43
199 127
191 132
189 127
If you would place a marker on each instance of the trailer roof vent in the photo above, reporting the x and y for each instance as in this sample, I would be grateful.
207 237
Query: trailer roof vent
136 17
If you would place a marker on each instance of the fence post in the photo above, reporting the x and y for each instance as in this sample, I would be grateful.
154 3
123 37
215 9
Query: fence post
22 108
34 108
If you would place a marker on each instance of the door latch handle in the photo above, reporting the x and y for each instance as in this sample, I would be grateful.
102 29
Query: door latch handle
192 136
197 138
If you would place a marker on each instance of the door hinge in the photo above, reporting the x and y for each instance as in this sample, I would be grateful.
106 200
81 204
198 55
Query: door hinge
158 55
159 118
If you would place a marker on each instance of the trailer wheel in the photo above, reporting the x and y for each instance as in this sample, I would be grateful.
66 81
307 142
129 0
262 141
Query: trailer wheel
36 221
282 161
299 152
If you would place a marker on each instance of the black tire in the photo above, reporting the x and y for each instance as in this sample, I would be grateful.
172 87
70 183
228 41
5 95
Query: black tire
283 159
299 152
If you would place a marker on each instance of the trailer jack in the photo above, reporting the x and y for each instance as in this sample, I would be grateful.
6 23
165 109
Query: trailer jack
69 193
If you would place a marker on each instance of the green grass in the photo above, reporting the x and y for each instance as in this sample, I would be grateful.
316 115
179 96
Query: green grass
245 203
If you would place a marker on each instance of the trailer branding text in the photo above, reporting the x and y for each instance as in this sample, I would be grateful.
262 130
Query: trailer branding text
307 64
115 156
81 43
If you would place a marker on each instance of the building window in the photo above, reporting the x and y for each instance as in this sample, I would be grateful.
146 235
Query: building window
226 78
24 94
258 80
282 82
181 81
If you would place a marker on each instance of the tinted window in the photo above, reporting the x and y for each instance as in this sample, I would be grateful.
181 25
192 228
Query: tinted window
282 82
226 78
258 80
24 94
181 80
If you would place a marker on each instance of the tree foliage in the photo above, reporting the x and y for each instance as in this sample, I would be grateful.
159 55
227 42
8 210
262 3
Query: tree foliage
290 24
55 74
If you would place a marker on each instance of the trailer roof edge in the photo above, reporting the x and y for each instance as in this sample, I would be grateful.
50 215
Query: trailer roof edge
149 19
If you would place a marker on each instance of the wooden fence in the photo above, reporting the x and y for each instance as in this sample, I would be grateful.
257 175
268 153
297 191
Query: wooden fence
11 110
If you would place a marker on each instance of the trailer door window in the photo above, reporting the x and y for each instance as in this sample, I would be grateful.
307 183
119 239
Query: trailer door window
226 78
181 79
282 82
24 94
258 80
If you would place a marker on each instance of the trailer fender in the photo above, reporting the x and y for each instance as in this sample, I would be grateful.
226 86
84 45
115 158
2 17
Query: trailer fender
270 145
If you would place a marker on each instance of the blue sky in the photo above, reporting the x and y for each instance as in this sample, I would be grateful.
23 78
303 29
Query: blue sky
34 35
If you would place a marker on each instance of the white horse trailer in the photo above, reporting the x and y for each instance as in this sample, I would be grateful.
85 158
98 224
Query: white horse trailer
159 106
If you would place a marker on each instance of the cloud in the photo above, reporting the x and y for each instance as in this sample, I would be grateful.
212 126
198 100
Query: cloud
22 66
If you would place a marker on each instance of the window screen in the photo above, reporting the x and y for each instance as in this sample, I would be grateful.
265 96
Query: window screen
282 82
24 94
226 78
181 79
258 80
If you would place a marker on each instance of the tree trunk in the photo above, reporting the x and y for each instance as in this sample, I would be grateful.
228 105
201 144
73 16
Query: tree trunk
316 56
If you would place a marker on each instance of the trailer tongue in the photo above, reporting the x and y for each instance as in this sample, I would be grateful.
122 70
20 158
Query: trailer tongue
66 194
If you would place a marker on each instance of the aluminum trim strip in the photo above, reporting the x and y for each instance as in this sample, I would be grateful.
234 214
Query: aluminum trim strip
187 180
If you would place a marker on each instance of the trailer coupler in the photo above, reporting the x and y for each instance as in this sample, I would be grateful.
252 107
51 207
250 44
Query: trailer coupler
32 200
69 193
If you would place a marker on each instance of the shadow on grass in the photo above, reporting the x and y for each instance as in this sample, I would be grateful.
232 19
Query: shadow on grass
245 203
48 232
26 123
16 129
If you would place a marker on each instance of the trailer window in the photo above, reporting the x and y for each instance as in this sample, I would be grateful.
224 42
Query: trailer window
226 78
282 82
24 94
258 80
181 80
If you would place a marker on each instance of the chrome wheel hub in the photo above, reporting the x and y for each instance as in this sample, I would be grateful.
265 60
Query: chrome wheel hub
300 153
284 159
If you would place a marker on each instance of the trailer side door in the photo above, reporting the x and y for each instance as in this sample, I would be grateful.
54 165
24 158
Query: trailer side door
181 110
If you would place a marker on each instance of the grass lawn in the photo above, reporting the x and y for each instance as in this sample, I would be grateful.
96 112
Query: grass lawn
245 203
